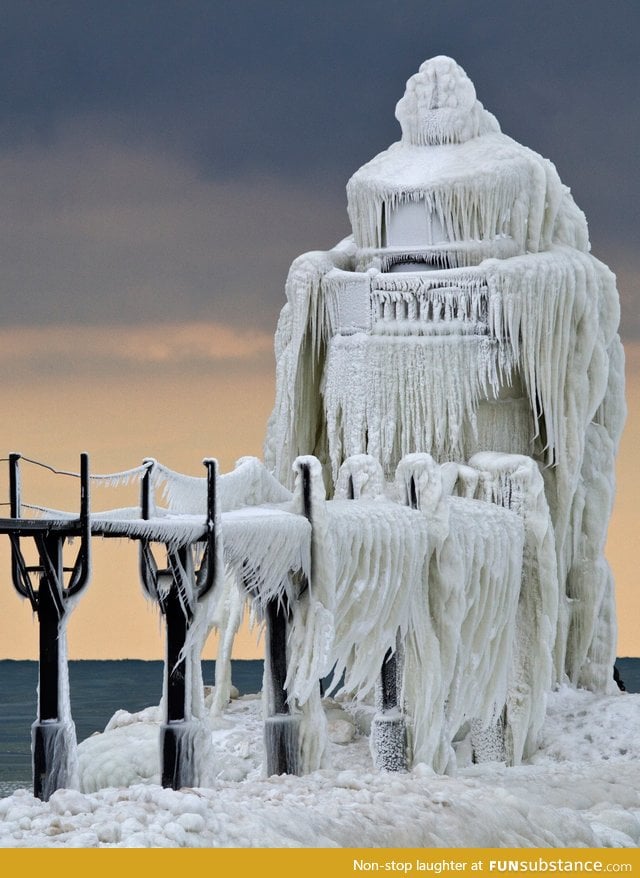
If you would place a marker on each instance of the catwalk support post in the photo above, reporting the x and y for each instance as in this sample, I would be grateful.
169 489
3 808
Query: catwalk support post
177 589
53 732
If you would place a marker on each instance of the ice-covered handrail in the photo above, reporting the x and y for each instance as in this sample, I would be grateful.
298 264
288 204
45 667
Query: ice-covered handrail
260 536
249 484
115 479
383 563
440 301
174 530
360 476
419 479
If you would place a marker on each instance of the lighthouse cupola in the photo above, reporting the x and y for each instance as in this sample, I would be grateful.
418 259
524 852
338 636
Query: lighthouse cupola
455 190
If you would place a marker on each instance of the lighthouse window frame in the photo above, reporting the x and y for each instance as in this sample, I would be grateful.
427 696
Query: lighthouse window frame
410 224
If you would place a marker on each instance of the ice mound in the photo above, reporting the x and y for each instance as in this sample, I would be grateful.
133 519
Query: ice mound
555 802
440 106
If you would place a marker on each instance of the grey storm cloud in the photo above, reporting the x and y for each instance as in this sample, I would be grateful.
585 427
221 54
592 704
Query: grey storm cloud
261 112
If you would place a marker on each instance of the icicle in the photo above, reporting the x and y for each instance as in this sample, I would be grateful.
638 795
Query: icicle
303 330
226 619
389 396
263 546
559 313
250 483
404 174
514 481
282 731
61 754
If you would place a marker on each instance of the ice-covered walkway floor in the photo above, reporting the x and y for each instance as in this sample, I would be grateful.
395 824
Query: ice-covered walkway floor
582 789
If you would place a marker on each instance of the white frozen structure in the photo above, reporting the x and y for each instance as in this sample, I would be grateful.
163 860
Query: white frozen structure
461 346
431 519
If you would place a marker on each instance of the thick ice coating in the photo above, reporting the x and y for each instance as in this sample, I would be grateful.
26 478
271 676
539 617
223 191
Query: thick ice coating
430 523
466 315
440 106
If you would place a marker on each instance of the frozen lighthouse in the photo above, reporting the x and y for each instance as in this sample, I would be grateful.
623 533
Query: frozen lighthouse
465 318
428 526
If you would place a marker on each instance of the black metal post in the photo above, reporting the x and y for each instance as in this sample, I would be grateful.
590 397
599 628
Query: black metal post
389 681
53 735
276 621
49 618
14 485
281 728
50 612
178 617
167 587
175 740
388 728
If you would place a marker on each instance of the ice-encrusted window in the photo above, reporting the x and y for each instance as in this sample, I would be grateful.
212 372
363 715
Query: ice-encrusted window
411 224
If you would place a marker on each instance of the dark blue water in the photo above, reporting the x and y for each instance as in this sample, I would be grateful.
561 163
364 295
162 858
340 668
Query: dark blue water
99 688
629 670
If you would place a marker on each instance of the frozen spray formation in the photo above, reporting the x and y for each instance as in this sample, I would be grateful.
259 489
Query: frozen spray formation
430 523
464 322
429 527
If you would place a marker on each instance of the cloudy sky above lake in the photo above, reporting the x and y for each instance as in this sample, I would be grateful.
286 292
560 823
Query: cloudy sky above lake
162 163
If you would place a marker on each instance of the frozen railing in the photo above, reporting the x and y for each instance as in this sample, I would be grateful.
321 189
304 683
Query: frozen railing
496 681
436 307
312 563
261 535
409 303
429 678
192 570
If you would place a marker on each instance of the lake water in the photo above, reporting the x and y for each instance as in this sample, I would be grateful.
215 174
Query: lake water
99 688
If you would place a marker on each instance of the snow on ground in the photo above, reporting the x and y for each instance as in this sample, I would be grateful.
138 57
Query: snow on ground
582 789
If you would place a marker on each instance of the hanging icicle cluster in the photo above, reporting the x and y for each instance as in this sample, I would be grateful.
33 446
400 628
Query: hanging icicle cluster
396 349
442 580
296 426
388 396
514 482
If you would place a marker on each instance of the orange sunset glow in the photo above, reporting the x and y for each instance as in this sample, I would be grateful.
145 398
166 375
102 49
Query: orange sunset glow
162 404
217 405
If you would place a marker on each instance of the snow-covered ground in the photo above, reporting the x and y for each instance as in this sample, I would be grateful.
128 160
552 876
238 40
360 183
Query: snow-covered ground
581 789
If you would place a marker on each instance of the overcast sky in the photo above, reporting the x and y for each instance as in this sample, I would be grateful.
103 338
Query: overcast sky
165 161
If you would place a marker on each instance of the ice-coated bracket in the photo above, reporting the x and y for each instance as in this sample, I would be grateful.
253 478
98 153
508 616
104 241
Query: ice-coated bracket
388 727
53 732
176 588
281 728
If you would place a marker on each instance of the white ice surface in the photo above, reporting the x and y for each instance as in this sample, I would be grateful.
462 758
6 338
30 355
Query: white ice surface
581 789
433 363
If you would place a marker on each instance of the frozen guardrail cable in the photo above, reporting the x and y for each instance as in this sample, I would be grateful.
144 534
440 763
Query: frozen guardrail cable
121 477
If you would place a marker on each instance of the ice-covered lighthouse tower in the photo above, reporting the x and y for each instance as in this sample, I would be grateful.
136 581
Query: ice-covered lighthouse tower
465 314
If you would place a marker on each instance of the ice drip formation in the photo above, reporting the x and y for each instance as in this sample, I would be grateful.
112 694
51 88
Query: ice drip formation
429 522
463 332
